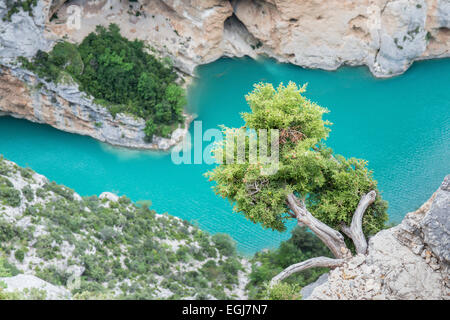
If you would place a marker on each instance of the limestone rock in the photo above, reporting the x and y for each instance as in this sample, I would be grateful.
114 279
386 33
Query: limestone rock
23 35
63 106
307 290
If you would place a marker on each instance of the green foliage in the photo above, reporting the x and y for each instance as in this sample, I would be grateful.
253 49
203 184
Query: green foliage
6 268
120 245
4 168
26 173
25 294
302 246
150 129
119 74
283 291
59 189
28 193
19 254
330 184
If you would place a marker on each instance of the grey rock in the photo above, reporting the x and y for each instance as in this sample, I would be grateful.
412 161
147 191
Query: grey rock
24 34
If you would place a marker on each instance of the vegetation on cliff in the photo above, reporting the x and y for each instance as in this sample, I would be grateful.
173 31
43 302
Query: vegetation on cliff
117 249
119 74
312 185
14 6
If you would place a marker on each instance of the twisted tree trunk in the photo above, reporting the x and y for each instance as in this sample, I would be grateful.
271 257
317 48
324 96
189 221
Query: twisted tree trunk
332 238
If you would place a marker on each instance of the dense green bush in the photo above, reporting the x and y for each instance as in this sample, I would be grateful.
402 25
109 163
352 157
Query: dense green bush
7 269
119 74
19 255
121 246
301 246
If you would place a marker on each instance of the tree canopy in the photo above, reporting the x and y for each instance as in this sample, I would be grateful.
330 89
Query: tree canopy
330 185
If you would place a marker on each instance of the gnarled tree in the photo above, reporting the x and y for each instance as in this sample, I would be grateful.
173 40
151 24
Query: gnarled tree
319 189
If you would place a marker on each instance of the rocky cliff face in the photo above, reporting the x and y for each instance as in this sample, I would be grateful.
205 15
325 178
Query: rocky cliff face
385 35
409 261
105 246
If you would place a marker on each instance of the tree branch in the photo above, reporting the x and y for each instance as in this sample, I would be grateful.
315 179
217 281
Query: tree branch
310 263
355 231
332 238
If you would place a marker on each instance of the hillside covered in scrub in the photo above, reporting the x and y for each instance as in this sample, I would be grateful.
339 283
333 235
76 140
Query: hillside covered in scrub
108 247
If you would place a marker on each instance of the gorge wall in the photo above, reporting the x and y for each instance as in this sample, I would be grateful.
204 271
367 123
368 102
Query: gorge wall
24 95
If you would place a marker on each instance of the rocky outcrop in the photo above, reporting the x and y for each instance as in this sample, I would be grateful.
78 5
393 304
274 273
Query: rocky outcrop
24 34
25 283
105 247
385 35
62 105
409 261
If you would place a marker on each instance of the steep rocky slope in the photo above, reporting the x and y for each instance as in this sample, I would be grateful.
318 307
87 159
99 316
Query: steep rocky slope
409 261
106 246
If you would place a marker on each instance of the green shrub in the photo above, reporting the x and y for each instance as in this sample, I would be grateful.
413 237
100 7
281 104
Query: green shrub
224 243
14 6
26 173
8 195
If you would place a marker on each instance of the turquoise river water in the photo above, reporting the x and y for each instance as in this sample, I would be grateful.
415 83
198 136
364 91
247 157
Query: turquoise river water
401 125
